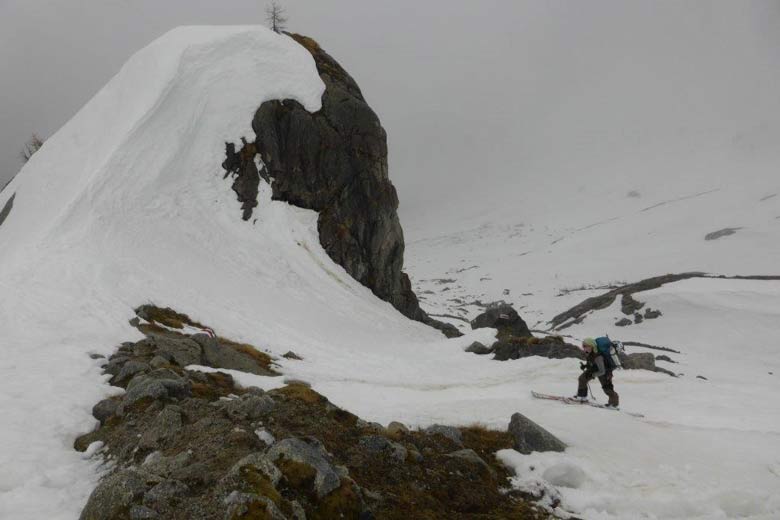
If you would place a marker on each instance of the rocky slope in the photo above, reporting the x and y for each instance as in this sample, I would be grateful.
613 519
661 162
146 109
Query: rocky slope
185 444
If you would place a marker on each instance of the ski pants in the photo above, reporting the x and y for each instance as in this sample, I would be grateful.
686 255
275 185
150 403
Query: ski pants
606 385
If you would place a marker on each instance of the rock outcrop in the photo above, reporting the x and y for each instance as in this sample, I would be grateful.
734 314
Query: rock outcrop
198 445
504 317
333 161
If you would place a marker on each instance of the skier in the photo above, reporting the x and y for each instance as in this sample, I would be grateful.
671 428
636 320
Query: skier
596 366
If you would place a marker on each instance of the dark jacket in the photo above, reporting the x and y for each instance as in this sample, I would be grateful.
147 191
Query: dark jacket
595 364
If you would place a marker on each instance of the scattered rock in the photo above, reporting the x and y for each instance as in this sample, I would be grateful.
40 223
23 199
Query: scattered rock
503 317
471 456
638 318
231 357
157 386
250 505
662 357
292 355
478 348
130 369
249 406
311 456
114 495
721 233
624 322
652 314
642 361
544 347
143 513
702 377
257 462
396 430
628 305
159 362
529 436
165 494
183 351
167 424
105 409
452 433
379 444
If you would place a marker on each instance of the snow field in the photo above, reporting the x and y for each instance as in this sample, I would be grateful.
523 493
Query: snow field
126 205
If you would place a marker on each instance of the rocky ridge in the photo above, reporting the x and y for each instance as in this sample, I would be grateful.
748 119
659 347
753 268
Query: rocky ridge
182 444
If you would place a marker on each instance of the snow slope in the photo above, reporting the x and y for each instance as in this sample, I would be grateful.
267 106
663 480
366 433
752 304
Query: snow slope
126 204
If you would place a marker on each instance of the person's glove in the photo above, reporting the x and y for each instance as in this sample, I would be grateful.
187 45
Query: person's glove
583 366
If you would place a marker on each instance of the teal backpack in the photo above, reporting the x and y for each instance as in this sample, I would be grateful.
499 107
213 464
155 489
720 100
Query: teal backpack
609 351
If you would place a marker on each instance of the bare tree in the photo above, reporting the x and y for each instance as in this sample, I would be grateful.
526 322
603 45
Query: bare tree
31 146
274 16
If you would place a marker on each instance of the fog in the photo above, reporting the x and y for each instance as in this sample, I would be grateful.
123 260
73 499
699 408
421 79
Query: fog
480 99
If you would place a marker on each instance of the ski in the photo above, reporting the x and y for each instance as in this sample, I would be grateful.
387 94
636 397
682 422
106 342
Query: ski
569 400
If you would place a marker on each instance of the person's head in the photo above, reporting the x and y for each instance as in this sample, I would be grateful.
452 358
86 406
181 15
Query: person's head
588 344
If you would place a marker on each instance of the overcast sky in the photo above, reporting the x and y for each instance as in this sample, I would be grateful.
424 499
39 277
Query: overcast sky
474 95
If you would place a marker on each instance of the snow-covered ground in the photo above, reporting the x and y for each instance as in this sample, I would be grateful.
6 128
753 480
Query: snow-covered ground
126 205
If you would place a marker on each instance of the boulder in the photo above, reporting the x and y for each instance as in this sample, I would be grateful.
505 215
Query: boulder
105 409
114 495
529 436
248 406
183 351
503 317
165 494
250 505
311 455
157 384
472 457
259 462
624 322
450 432
505 350
224 356
166 425
479 348
396 429
379 444
158 464
131 368
638 360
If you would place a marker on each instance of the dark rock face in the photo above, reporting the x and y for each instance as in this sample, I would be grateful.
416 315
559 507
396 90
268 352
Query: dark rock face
7 207
503 317
549 348
529 436
642 361
334 162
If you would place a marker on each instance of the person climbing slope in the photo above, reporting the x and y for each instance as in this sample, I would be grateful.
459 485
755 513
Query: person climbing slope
596 365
